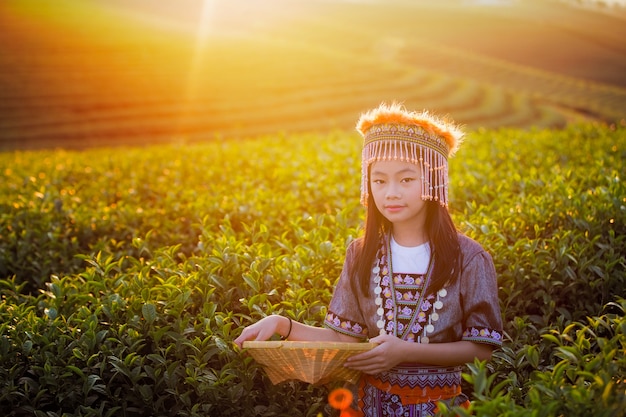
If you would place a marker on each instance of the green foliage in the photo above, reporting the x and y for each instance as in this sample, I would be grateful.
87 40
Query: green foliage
586 375
556 225
126 276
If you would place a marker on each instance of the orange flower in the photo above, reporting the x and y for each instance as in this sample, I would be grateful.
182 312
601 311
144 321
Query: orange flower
340 399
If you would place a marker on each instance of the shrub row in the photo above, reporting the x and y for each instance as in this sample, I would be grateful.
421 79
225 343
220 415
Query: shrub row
126 275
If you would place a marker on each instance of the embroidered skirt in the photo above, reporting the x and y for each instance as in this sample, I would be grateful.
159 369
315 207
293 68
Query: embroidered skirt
410 391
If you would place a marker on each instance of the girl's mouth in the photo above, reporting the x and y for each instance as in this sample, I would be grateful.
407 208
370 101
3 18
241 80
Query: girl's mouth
393 209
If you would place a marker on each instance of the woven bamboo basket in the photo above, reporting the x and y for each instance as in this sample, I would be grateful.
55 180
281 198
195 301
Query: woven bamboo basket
313 362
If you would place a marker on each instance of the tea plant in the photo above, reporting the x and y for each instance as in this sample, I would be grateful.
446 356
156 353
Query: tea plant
126 276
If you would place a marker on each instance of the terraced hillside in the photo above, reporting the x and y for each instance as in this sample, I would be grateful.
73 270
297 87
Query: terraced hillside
75 74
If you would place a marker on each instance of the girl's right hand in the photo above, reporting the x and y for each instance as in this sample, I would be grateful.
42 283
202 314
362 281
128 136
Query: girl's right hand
263 329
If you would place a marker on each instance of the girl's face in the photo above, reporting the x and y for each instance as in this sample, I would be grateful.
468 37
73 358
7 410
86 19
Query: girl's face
397 191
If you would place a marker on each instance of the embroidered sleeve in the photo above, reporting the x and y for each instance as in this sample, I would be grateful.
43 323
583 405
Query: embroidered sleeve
483 322
345 326
344 314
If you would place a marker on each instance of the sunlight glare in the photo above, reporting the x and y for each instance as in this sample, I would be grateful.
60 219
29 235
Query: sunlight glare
202 36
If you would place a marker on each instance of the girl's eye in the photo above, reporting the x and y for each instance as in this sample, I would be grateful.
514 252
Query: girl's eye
378 182
408 179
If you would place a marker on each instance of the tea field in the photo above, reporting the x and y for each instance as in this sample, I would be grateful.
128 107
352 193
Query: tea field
127 272
78 74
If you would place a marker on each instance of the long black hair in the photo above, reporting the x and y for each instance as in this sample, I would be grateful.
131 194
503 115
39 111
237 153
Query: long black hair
441 233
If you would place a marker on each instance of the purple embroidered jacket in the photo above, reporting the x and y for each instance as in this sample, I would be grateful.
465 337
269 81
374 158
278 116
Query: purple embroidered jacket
469 310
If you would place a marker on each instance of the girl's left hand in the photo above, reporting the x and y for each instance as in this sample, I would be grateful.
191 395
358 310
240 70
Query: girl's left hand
383 357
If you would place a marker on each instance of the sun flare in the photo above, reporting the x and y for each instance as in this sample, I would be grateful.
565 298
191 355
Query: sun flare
202 38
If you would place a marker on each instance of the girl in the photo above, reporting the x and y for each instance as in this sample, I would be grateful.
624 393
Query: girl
413 284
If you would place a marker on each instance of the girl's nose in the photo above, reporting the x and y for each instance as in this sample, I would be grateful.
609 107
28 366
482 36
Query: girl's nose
393 191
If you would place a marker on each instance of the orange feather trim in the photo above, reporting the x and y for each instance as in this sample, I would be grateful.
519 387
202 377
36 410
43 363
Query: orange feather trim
396 113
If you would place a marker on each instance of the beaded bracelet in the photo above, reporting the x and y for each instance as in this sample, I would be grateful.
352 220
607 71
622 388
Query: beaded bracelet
289 332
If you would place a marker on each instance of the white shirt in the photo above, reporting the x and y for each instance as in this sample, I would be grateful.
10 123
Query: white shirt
409 260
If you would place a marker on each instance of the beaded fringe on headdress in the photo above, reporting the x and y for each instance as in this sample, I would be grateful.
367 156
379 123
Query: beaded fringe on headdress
396 142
